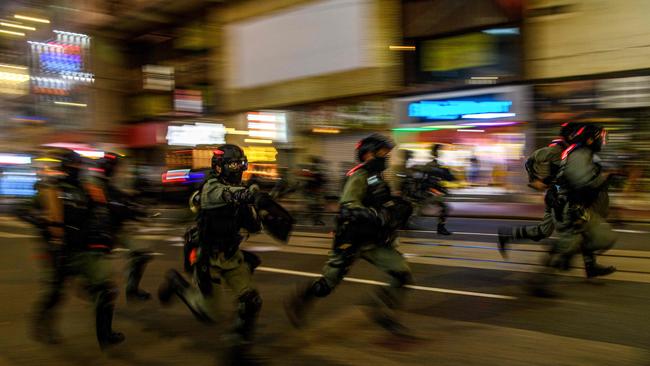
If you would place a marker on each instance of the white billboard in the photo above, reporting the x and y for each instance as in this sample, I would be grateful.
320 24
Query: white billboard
324 37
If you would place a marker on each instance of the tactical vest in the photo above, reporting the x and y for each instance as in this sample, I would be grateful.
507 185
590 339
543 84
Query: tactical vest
75 216
378 191
219 227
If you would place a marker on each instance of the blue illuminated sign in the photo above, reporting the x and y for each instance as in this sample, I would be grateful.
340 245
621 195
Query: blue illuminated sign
455 109
61 62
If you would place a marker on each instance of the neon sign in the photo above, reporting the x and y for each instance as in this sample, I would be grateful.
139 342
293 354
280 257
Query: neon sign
197 134
60 62
458 109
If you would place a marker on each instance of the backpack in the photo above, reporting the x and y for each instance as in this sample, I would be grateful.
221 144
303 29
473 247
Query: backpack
544 164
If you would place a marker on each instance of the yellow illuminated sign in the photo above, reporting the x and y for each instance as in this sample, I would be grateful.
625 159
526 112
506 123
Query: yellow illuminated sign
13 80
260 153
460 52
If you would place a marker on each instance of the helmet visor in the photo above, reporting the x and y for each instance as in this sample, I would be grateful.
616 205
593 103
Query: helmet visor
236 165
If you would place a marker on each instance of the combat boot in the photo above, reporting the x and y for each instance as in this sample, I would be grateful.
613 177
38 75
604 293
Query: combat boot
504 236
137 266
442 230
105 307
43 331
175 284
596 270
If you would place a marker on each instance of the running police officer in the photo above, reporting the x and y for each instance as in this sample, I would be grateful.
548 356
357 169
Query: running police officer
581 204
225 208
78 209
122 208
366 228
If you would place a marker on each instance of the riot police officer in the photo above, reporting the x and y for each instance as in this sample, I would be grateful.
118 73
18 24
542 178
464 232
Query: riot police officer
225 208
580 206
542 167
122 208
78 209
432 187
366 227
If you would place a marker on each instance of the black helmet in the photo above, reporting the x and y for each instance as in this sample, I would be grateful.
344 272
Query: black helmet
109 163
568 128
589 135
232 161
373 143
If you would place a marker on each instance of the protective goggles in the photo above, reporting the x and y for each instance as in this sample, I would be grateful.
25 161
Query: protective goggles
236 165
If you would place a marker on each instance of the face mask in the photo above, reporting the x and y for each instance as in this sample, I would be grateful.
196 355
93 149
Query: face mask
378 164
232 177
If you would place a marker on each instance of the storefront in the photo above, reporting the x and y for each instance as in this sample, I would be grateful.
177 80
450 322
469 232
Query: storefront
332 130
485 132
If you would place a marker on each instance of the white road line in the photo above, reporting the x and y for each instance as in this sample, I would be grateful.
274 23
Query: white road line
631 231
177 245
370 282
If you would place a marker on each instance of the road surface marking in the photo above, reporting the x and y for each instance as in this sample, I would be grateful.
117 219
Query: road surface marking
630 231
378 283
5 234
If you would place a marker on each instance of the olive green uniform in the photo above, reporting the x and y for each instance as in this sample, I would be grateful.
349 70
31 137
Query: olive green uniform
363 231
581 205
219 258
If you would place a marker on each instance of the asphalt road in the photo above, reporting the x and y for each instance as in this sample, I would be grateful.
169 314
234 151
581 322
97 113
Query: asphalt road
469 306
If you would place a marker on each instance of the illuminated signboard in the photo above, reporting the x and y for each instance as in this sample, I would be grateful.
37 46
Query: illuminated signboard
460 109
14 79
267 125
459 52
260 153
188 101
197 134
60 62
156 77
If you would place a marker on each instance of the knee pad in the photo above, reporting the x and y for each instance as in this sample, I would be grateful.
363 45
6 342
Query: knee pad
250 303
106 293
402 278
320 288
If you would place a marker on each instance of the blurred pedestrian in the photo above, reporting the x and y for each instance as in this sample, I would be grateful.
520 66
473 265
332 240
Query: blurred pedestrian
313 186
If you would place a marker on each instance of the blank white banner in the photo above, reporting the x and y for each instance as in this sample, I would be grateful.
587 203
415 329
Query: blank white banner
321 38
